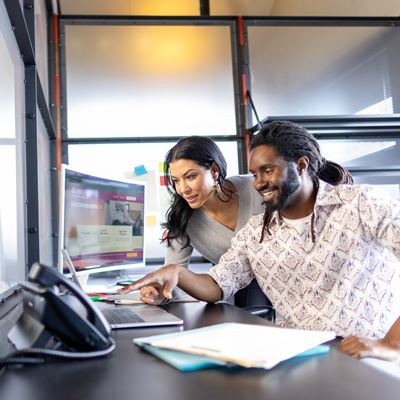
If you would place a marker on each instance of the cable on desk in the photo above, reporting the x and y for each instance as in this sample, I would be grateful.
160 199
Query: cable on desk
38 356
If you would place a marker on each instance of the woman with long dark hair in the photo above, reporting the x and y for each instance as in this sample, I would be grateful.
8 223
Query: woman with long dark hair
207 208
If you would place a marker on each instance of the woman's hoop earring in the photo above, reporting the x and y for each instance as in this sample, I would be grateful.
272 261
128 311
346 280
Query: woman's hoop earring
218 191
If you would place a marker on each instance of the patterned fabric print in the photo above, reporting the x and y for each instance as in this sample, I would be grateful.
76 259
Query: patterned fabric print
347 281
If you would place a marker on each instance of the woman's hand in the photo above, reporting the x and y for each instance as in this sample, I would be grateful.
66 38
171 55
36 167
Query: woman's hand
384 349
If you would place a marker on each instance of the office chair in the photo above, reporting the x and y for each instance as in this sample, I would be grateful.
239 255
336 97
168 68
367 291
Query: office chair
252 299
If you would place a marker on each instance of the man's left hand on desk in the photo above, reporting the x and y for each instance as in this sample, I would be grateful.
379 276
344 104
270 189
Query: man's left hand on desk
361 347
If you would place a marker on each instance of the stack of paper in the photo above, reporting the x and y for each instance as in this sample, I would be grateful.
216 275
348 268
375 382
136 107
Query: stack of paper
240 344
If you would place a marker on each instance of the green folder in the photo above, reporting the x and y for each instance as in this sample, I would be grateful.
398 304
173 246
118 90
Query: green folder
183 361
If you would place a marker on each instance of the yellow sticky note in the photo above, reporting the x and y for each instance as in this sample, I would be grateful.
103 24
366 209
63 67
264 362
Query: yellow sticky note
161 167
151 220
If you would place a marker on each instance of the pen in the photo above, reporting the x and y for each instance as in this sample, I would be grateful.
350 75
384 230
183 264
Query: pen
96 298
100 298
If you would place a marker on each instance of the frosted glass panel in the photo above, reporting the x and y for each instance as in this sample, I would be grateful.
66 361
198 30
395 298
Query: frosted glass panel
325 70
368 154
140 161
242 7
363 153
350 8
149 81
8 211
12 222
45 195
389 182
7 93
130 7
41 45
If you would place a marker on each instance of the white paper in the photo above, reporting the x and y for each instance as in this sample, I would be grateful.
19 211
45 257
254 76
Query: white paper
244 344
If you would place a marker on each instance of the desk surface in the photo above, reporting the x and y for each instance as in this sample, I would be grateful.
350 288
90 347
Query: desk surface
132 373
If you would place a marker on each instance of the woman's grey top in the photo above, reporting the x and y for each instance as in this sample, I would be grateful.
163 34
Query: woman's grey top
211 238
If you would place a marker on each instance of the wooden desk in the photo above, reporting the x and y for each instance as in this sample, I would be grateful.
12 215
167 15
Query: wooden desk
130 373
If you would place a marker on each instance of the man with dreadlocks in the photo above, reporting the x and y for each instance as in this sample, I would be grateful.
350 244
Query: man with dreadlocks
325 252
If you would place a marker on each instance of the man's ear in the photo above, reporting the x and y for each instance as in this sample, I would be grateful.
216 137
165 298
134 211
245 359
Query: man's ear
302 164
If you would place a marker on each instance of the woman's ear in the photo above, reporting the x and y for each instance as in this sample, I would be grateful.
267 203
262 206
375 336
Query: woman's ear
214 170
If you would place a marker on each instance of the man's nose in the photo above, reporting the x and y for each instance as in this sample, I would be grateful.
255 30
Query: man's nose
259 183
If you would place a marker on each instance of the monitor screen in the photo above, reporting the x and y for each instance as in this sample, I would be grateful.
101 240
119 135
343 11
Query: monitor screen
101 222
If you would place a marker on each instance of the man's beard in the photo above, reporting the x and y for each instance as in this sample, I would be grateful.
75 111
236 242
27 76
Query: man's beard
289 186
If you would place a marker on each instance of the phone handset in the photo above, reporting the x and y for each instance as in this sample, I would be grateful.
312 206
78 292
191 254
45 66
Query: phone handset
73 318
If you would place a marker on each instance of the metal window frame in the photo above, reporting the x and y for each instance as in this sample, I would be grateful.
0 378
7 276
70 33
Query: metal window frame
332 127
230 22
23 25
324 122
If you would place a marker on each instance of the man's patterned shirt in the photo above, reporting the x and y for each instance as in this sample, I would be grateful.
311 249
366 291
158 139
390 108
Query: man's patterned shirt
347 281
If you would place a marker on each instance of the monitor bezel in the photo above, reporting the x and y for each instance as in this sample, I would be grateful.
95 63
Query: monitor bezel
61 223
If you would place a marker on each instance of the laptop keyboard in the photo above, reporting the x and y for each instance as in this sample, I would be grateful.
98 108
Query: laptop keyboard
121 316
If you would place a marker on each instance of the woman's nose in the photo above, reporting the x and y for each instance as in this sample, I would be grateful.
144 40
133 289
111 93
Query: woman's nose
185 188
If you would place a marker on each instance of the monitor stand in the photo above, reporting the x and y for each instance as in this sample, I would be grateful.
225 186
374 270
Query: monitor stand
97 282
81 279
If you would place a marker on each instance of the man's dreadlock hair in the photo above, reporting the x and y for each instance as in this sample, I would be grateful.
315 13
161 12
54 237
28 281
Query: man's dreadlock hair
292 141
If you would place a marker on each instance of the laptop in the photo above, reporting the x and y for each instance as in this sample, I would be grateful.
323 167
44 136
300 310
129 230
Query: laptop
137 316
142 316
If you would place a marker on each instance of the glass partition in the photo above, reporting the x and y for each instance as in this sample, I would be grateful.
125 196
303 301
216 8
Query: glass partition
130 7
324 70
387 181
364 8
45 194
364 154
41 45
371 161
149 81
12 221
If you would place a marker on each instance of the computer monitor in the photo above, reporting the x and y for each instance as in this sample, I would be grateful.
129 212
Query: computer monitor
101 223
